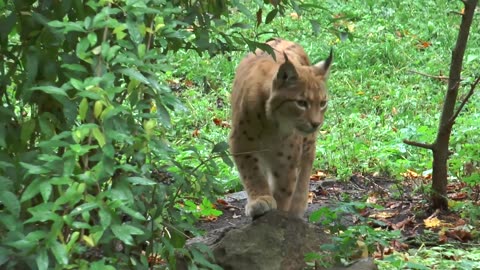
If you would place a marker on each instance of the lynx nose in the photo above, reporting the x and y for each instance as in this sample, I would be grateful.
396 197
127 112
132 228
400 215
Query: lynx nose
315 125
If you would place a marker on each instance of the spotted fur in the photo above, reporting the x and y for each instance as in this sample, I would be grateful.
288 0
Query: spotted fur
277 107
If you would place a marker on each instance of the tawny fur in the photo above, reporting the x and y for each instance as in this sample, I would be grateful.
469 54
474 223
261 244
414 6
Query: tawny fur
277 108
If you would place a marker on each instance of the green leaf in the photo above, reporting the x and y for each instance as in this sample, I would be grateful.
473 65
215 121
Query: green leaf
271 15
92 38
84 207
220 147
136 180
241 25
226 159
200 259
72 241
34 169
74 67
60 253
45 190
82 109
42 259
10 222
52 90
163 115
32 189
105 218
100 265
135 74
98 135
27 129
124 232
315 26
132 213
4 255
10 201
242 8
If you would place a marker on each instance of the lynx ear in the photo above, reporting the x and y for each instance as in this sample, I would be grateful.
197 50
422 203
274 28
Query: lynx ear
286 72
322 68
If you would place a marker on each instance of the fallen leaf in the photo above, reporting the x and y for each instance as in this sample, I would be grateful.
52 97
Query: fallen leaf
458 196
319 175
402 224
410 174
209 218
222 201
432 222
422 45
196 133
311 196
383 214
442 237
460 235
294 16
372 198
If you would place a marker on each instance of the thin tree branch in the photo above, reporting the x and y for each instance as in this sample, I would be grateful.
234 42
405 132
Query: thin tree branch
419 144
440 77
464 101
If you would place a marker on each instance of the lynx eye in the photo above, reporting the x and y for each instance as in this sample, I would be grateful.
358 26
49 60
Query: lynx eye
302 103
323 104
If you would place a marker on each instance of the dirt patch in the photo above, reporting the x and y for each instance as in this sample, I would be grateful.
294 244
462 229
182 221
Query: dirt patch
404 209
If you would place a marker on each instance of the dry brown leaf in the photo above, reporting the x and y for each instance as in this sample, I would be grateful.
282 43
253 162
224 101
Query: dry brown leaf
319 175
458 196
401 225
410 174
311 196
383 215
222 201
460 235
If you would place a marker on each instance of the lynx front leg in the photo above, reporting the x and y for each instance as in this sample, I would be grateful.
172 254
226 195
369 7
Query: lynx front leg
255 183
300 195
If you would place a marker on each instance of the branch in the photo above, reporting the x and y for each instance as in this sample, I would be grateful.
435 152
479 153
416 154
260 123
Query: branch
464 101
440 77
419 144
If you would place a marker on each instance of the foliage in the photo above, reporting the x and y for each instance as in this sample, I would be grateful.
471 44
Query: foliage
345 236
90 176
434 257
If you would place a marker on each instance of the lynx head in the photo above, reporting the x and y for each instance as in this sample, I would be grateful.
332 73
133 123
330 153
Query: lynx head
298 98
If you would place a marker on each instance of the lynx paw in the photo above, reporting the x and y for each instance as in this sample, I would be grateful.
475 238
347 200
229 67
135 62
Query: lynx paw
260 206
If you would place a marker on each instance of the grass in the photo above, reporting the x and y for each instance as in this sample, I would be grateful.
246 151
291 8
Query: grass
377 96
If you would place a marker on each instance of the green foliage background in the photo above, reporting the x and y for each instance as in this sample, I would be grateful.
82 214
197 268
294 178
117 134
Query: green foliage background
88 177
99 101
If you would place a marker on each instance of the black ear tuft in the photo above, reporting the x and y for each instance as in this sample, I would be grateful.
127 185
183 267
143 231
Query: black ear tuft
286 57
329 60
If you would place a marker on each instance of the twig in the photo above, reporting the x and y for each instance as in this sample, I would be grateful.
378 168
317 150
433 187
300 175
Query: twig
464 101
440 77
419 144
456 12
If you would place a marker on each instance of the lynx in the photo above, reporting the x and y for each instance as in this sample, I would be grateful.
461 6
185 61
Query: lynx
278 104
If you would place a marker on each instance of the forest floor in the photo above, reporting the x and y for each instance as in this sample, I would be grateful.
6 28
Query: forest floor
397 209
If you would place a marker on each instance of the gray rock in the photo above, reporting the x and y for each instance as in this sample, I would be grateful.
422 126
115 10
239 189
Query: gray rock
274 241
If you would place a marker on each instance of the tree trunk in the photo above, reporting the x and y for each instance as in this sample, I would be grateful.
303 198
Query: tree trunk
440 146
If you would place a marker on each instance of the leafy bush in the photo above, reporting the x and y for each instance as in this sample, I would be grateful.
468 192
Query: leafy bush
88 177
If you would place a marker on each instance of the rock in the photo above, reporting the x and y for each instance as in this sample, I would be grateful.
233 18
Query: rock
274 241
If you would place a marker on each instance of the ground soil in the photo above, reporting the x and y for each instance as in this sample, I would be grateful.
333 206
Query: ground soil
401 208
